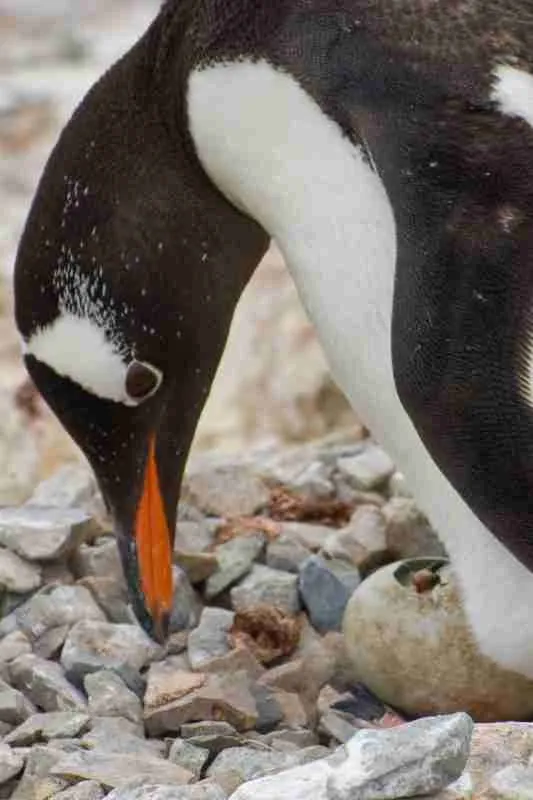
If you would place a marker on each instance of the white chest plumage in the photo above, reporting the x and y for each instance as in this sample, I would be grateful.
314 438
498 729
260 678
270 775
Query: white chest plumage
273 152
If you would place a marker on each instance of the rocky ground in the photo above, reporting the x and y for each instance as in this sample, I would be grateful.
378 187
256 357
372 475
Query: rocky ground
258 692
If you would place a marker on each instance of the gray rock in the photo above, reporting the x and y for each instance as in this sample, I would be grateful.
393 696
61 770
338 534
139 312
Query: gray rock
193 537
269 586
206 728
210 638
115 735
115 771
110 697
206 790
17 575
186 605
299 739
45 534
287 554
86 790
71 486
515 782
45 684
314 481
363 541
269 711
56 607
188 756
13 645
100 560
36 782
337 726
167 682
313 537
112 597
15 708
235 559
422 757
409 533
325 588
246 763
52 725
367 470
92 646
228 490
11 763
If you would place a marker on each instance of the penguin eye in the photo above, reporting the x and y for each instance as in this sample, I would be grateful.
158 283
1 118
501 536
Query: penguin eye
142 380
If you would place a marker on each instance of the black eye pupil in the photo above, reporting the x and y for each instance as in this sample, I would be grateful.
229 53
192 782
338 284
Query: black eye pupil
141 380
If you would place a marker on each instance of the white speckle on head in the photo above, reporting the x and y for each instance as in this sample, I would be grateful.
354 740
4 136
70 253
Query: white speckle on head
275 154
513 92
77 348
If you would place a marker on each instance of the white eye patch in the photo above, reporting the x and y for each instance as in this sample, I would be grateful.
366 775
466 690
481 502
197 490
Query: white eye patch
77 348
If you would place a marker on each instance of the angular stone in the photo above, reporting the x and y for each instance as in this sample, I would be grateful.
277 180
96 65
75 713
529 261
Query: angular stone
116 735
188 756
193 537
15 708
313 537
514 782
114 771
230 490
267 586
71 486
336 726
110 697
246 763
235 559
45 534
292 709
45 684
222 697
210 639
269 713
17 575
363 541
13 645
286 553
86 790
167 683
100 560
197 566
186 604
206 790
50 643
111 596
325 588
409 533
313 482
92 646
51 725
367 470
11 763
37 783
56 607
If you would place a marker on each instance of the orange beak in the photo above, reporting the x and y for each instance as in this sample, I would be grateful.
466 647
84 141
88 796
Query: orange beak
154 551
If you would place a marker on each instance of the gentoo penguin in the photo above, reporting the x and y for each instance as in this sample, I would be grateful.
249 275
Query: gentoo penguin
387 146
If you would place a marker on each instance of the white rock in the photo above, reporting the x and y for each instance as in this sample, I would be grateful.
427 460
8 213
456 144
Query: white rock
367 470
17 575
11 763
44 534
513 783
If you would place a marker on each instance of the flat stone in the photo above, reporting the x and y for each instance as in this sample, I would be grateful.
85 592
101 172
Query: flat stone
514 782
312 537
51 725
15 708
116 735
186 605
235 559
167 683
188 756
367 470
45 534
267 586
36 782
11 763
13 645
56 607
86 790
337 726
230 490
50 643
71 486
92 646
240 659
197 566
299 738
325 588
246 763
110 697
221 697
17 575
408 531
286 553
193 537
313 481
210 639
45 684
207 728
363 541
111 596
115 771
206 790
99 560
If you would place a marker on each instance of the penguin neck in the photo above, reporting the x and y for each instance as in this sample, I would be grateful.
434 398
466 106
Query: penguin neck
314 191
